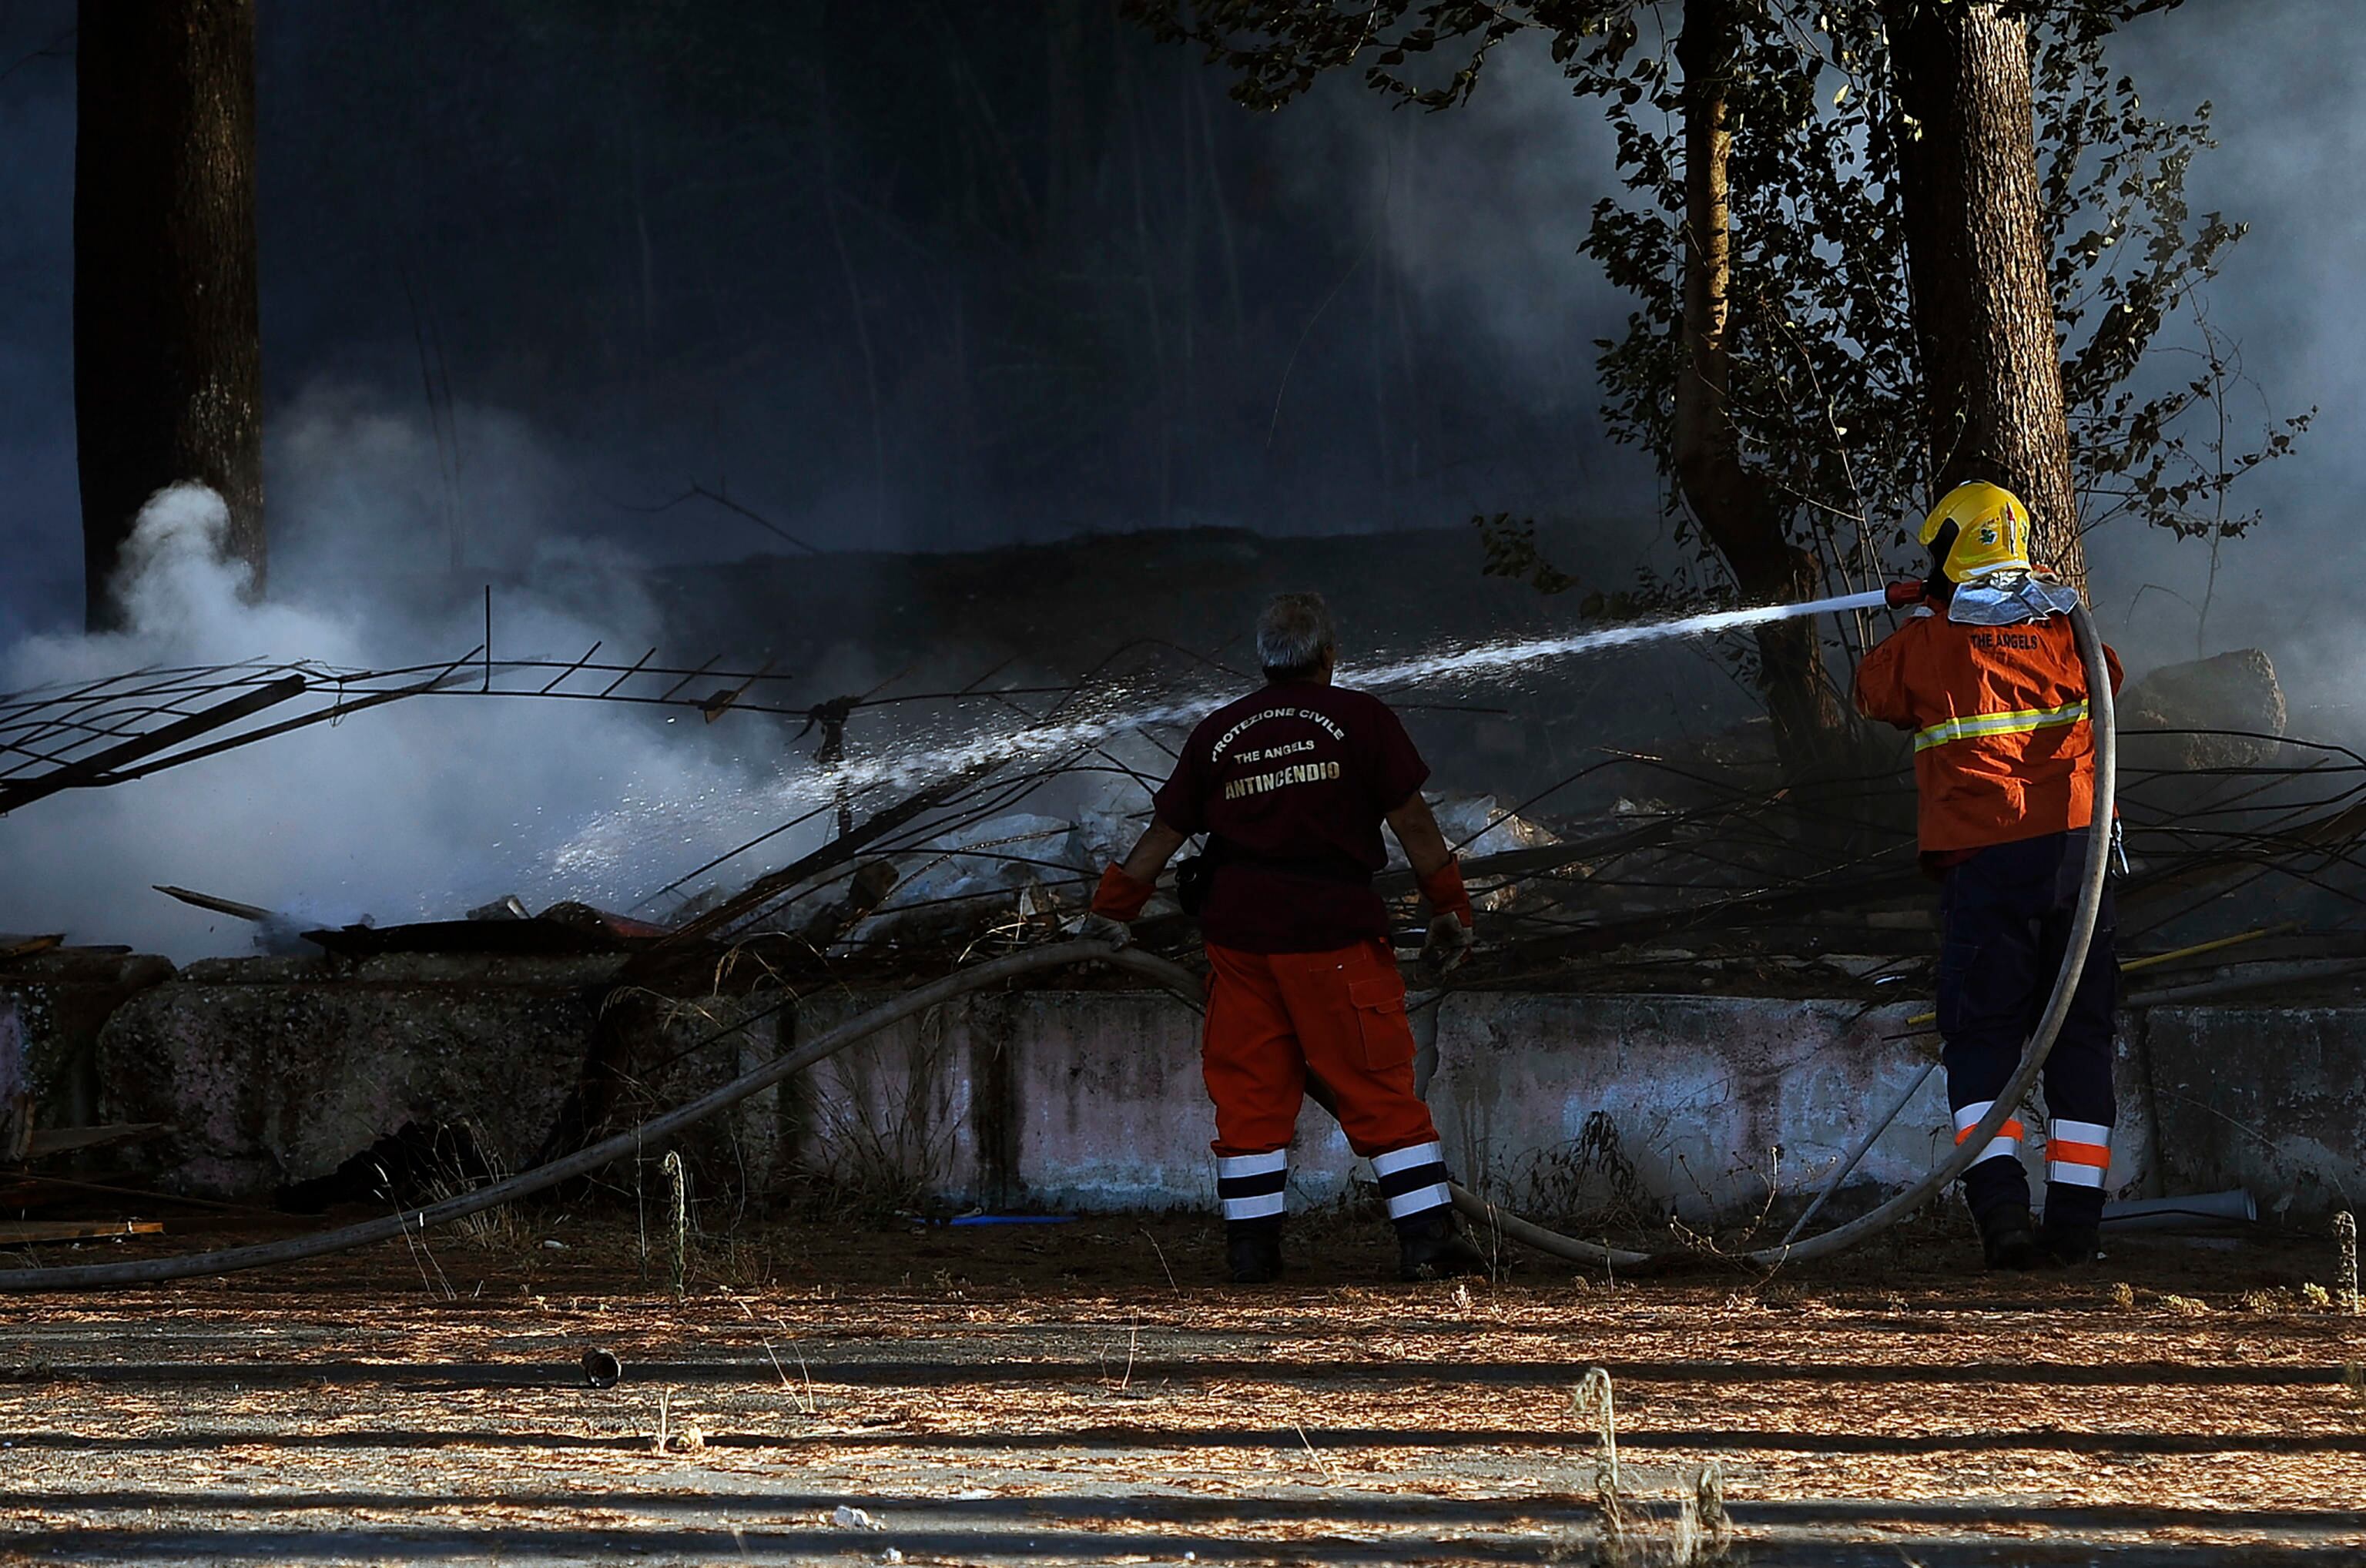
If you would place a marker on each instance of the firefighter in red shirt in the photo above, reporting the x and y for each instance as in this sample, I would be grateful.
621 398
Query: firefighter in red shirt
1987 676
1291 784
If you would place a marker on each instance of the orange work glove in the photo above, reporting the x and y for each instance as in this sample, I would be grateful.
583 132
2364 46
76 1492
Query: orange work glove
1447 895
1121 897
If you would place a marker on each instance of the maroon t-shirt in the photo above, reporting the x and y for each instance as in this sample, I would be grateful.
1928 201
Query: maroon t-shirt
1295 781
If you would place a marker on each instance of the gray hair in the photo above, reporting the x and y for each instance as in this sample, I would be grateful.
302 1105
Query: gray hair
1295 634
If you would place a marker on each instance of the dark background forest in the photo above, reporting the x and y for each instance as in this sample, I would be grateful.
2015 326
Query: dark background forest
1008 273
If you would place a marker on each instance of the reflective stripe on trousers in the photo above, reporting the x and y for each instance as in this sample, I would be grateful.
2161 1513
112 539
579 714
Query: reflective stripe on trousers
2006 1145
1251 1186
2078 1154
1412 1179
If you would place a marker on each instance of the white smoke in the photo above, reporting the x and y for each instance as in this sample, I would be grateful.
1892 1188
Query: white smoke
183 602
419 810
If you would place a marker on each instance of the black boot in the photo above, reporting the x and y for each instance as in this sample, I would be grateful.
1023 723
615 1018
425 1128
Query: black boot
2068 1244
1431 1246
1253 1251
2006 1241
2071 1233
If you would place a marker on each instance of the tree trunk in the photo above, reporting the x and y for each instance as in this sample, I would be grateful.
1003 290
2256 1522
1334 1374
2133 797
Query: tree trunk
1976 256
167 346
1736 510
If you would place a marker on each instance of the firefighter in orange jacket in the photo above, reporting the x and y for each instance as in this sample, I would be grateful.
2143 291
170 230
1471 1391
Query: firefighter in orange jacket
1987 677
1291 784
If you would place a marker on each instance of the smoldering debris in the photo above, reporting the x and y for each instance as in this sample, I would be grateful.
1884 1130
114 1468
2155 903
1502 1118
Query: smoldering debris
358 794
276 931
1688 853
892 826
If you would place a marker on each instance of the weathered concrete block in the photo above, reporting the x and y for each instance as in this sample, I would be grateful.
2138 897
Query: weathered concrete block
2237 694
2263 1098
1577 1102
1108 1108
1110 1112
1575 1105
1087 1101
895 1118
59 1003
671 1050
270 1070
2136 1169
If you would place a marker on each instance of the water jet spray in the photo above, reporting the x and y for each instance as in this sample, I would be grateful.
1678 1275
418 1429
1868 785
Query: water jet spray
1111 717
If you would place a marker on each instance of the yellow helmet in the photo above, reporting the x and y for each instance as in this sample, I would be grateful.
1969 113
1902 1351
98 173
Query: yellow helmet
1977 528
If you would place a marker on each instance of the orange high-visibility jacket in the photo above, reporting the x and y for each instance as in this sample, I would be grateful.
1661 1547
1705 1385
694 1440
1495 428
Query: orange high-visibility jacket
2003 750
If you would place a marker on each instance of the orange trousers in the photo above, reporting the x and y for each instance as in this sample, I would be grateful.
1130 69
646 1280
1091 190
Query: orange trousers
1274 1016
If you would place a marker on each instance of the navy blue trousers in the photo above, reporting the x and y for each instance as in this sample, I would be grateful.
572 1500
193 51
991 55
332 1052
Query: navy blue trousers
2007 913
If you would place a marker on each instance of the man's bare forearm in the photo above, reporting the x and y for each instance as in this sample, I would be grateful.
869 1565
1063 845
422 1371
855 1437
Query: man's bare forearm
1152 851
1417 828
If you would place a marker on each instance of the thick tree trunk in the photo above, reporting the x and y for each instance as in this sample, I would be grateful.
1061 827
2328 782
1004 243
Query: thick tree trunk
167 351
1975 255
1735 508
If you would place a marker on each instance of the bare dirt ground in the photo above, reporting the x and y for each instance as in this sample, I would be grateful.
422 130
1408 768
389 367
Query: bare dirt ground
1079 1393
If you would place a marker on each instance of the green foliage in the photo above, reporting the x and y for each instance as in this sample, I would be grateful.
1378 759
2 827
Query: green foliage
1510 547
2139 264
1826 394
1276 49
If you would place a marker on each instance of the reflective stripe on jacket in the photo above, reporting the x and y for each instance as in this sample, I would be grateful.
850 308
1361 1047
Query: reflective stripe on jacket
2001 746
2025 721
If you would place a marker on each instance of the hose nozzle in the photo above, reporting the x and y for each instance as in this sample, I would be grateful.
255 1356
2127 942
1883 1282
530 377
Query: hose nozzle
1902 594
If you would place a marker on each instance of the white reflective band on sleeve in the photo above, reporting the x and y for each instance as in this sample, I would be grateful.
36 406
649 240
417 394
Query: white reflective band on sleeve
1431 1153
2070 1175
1419 1199
1254 1208
1999 1148
1252 1165
1969 1116
2063 1129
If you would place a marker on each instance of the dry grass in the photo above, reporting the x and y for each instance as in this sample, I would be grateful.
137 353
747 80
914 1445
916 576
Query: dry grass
901 1362
1623 1534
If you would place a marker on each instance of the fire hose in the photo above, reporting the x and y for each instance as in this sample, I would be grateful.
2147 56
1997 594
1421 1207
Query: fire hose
1970 1145
1174 977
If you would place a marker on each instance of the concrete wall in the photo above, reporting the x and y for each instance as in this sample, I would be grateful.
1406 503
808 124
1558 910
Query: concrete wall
1569 1104
272 1070
2271 1098
1566 1103
1092 1100
1084 1100
55 1005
